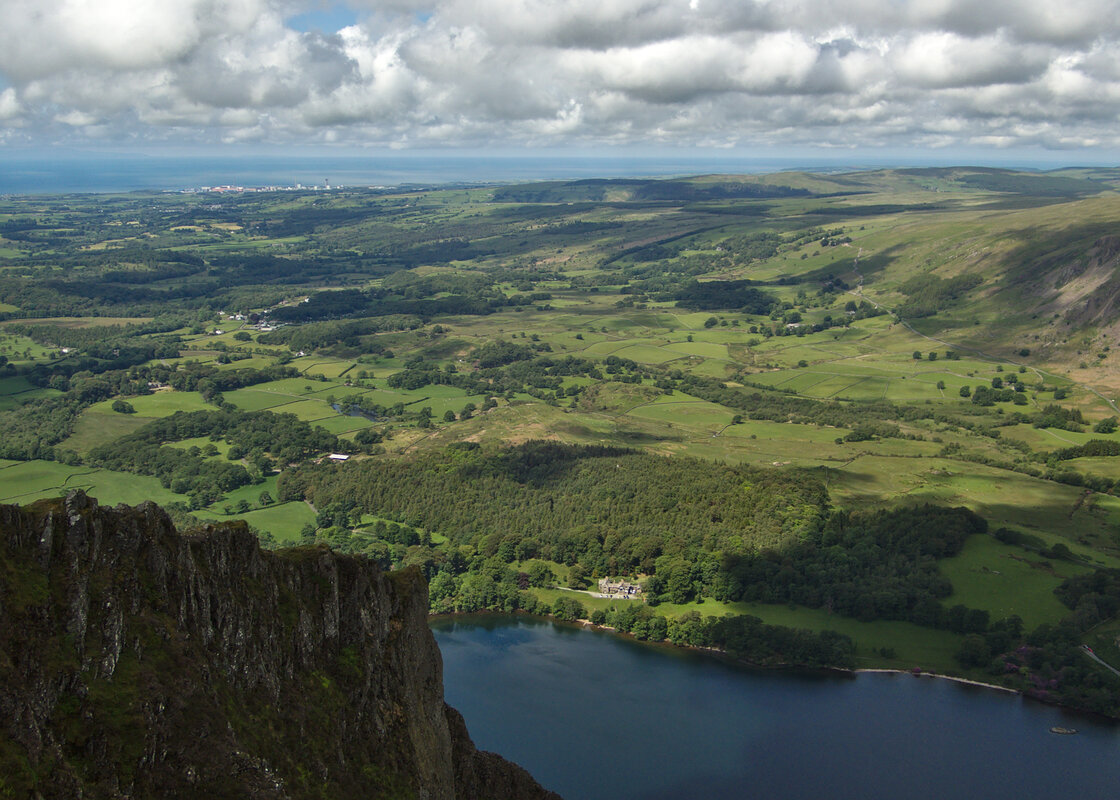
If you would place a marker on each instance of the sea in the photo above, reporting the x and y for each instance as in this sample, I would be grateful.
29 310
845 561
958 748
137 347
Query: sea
22 174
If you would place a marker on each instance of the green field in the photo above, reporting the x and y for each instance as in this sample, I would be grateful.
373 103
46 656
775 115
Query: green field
15 400
95 428
250 494
157 404
15 385
339 424
1006 580
26 482
284 521
255 399
307 410
329 369
699 414
202 442
914 646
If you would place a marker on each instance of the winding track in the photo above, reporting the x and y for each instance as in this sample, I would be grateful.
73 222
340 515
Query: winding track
1088 651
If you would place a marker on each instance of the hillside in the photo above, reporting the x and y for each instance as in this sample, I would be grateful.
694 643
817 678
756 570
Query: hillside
866 343
139 662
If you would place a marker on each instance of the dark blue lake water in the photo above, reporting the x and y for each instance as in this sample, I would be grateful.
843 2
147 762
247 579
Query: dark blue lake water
597 717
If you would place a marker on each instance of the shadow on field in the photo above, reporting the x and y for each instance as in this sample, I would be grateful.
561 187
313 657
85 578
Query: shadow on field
1049 509
1047 259
634 437
845 268
1056 516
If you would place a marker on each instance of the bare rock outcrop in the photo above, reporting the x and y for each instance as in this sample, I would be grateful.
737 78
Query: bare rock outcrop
136 661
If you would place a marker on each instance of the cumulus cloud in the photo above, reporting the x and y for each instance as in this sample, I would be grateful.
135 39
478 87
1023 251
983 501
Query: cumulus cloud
9 104
941 59
901 73
45 37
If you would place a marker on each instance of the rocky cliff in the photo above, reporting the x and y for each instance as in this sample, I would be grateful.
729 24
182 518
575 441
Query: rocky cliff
137 662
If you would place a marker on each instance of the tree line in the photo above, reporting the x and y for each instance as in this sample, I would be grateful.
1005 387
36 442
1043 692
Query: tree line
263 439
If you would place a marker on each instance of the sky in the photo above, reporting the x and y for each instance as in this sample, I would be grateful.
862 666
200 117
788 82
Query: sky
768 77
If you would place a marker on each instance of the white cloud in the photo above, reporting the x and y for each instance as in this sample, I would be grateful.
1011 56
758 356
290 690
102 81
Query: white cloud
77 119
942 59
472 72
9 104
44 37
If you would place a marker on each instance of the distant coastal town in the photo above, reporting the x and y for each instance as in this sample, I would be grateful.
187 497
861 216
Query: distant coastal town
298 187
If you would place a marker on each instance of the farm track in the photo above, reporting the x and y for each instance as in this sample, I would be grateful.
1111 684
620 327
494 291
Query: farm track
1085 649
1080 502
63 487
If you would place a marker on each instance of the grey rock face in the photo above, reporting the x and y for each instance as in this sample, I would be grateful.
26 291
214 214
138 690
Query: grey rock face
136 661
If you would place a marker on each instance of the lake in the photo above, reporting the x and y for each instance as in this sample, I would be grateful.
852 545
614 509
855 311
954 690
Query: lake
596 716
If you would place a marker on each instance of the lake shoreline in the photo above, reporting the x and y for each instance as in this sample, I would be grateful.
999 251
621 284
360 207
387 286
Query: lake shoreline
942 676
723 655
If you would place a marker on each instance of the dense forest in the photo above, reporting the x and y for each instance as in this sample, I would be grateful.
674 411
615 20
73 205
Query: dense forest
760 535
696 529
724 294
610 509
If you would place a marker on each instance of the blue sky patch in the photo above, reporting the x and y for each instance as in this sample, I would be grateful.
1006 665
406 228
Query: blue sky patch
324 20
